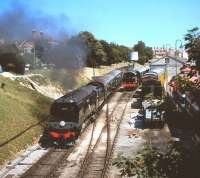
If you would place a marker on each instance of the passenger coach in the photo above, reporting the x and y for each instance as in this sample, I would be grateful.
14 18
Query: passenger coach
70 113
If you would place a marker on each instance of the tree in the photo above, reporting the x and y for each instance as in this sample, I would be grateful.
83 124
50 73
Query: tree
96 54
102 52
145 163
119 53
115 53
80 50
192 45
125 51
108 50
176 162
145 53
10 60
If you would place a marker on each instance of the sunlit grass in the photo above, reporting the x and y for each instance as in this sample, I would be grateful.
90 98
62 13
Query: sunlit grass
20 108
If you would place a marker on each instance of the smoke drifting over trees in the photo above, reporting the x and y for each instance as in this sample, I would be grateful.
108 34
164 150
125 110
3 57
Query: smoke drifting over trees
55 41
71 54
50 35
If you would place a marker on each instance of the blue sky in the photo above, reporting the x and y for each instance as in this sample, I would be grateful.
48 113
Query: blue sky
156 22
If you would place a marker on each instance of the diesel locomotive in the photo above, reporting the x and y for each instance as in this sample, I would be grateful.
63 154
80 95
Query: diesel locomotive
153 81
70 113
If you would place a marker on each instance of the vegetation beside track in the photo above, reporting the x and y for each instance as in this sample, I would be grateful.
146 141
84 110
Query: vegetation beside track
176 162
70 79
20 108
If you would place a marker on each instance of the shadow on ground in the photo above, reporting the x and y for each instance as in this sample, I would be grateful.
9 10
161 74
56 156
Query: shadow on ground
183 128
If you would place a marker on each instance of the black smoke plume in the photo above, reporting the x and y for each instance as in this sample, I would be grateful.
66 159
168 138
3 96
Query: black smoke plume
52 35
18 22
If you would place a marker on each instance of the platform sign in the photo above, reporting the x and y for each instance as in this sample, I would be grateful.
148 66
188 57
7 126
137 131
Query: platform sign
134 56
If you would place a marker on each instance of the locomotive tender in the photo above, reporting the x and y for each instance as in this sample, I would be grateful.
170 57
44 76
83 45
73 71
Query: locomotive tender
69 113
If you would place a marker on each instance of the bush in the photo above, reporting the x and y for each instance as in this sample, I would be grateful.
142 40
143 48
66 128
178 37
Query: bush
12 63
177 162
10 60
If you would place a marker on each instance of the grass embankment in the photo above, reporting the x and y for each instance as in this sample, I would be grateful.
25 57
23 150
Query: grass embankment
20 108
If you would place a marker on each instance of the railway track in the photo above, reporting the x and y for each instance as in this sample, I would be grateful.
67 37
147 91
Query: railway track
99 153
21 162
47 165
26 166
95 130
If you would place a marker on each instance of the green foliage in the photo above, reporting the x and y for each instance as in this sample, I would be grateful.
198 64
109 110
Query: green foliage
96 55
20 108
10 60
119 53
145 53
144 164
183 84
177 162
109 53
92 52
102 52
192 45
